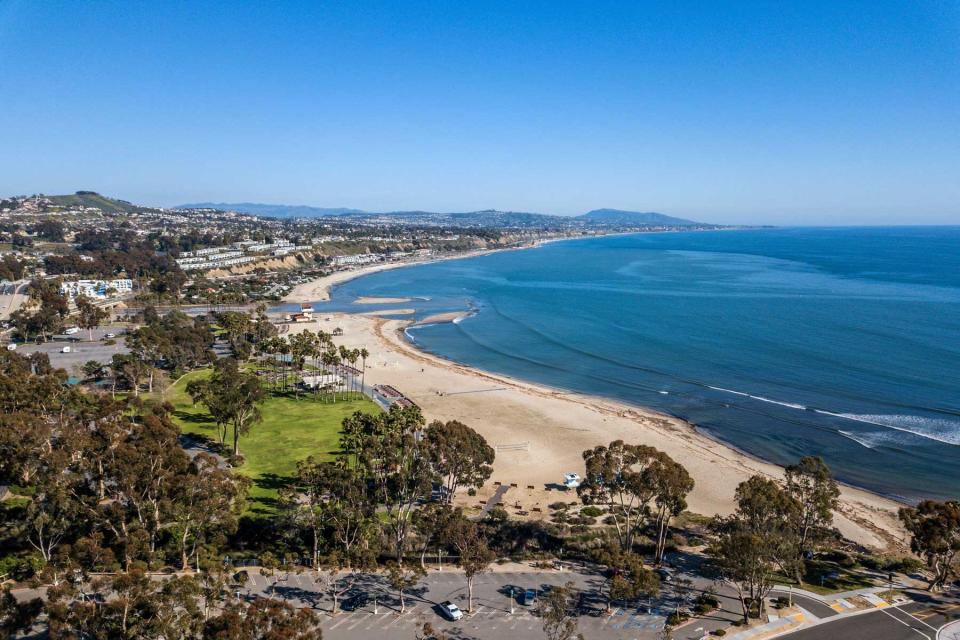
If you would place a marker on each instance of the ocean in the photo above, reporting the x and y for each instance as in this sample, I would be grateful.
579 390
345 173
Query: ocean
838 342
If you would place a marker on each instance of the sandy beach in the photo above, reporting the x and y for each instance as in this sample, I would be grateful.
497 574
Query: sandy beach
540 432
318 290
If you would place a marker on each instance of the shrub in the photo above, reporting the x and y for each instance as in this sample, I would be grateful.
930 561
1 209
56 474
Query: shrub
471 491
592 511
558 506
674 618
719 632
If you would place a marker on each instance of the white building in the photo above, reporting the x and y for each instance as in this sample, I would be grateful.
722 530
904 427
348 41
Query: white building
96 288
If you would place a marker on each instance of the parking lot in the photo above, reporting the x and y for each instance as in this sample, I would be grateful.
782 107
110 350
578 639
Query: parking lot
497 610
81 349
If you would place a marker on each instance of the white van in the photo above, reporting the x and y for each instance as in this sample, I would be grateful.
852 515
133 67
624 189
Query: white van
65 350
71 331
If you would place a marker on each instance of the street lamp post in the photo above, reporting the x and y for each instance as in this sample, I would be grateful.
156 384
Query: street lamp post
511 600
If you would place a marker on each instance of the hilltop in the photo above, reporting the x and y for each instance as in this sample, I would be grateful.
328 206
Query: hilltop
88 199
621 217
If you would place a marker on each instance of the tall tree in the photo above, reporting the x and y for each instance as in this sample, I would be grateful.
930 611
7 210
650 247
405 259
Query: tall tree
626 576
462 456
387 452
672 483
750 543
402 578
472 550
232 396
618 477
935 536
205 504
815 493
90 315
558 610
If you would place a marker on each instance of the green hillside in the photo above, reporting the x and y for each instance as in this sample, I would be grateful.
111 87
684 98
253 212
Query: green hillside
94 199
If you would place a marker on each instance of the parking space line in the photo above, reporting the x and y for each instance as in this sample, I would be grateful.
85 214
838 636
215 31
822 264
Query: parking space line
346 616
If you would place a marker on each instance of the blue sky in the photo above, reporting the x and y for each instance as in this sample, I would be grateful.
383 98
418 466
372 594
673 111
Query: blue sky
780 112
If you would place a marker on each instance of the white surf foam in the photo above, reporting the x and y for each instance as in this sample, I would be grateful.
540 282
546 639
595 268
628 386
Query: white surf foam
874 439
790 405
938 429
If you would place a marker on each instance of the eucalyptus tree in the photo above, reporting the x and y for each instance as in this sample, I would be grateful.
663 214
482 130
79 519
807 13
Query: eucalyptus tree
816 495
90 315
672 483
754 541
389 453
461 456
618 476
473 553
233 397
935 536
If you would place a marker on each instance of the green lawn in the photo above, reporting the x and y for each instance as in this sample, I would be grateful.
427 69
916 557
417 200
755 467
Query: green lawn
291 430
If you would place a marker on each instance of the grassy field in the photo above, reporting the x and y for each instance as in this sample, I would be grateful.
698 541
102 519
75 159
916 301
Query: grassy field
291 430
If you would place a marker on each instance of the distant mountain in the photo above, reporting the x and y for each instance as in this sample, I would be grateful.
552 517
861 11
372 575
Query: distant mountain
646 218
93 199
273 210
487 217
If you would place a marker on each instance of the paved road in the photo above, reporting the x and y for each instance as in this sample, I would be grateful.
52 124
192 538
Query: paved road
891 623
815 607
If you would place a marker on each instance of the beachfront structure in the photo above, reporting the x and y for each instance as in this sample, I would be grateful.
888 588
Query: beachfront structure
363 258
306 308
226 258
323 380
100 289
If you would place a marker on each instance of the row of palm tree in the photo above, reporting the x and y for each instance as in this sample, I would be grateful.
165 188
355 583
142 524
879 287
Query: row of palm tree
289 356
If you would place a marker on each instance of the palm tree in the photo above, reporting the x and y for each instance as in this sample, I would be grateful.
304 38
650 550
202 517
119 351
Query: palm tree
363 374
344 358
284 350
354 356
330 361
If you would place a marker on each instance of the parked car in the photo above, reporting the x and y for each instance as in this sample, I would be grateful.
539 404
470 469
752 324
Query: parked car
571 480
355 602
665 574
451 610
110 335
66 350
12 346
71 331
528 597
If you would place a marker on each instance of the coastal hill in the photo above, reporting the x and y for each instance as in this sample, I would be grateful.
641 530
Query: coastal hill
620 217
92 199
486 217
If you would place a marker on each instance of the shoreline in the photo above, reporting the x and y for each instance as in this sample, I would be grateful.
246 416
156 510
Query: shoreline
318 289
867 517
539 432
640 413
